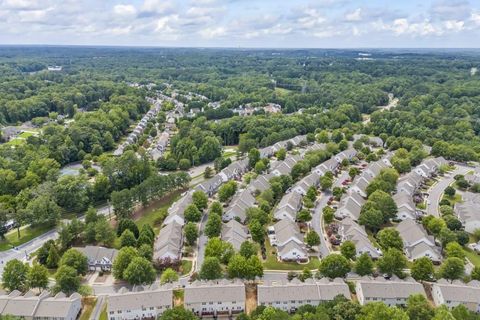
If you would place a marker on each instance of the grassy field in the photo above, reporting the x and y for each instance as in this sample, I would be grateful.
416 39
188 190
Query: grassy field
453 200
271 263
88 305
26 234
186 266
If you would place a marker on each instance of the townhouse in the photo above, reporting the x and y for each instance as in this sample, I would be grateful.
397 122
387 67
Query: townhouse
41 307
350 206
234 171
146 303
373 169
417 243
99 257
409 183
302 186
289 241
241 201
473 177
210 186
467 211
288 207
352 231
215 298
260 184
346 154
176 210
289 296
393 292
326 166
430 166
235 233
285 167
405 205
456 293
168 244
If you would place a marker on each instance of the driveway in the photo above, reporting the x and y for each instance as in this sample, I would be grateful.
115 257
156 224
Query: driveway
436 191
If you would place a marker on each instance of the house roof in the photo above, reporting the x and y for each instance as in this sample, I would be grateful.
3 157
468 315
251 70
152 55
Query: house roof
169 240
389 289
235 233
411 232
58 306
289 246
214 291
286 229
96 253
138 300
459 291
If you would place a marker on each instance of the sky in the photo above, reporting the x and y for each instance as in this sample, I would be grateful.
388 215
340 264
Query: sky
243 23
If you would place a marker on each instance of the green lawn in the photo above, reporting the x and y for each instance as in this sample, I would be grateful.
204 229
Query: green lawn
271 263
472 256
453 200
158 211
186 266
26 234
103 314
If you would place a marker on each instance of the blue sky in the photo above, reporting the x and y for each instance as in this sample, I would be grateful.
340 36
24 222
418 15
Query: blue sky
243 23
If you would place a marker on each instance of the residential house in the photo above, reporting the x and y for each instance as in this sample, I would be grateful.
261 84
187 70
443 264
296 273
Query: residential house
474 176
350 206
352 231
288 296
168 244
326 166
272 108
235 170
215 298
288 207
406 206
99 257
346 154
235 233
456 293
241 201
430 166
176 210
146 304
393 292
210 187
285 167
417 243
302 186
266 152
289 241
260 184
409 183
41 307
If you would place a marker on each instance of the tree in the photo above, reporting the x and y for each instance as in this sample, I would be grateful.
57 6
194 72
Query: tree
476 273
450 191
184 164
348 249
385 203
216 207
257 231
139 271
146 251
452 268
364 265
453 249
370 216
127 224
442 313
392 263
418 308
15 275
422 269
67 279
127 239
147 236
237 266
304 215
210 269
446 236
200 199
326 182
312 238
75 259
390 238
191 233
125 255
253 157
53 257
122 202
227 191
248 249
208 173
254 268
435 225
380 311
169 276
178 313
334 266
328 214
104 232
44 209
281 154
219 249
192 214
213 227
38 277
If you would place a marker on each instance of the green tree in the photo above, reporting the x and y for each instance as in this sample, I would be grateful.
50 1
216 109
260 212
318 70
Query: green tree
422 269
390 238
370 216
15 275
248 249
257 231
304 215
453 249
452 268
168 276
392 263
192 214
364 265
476 273
139 271
211 269
200 199
216 207
53 257
219 249
44 209
312 238
348 249
178 313
450 191
75 259
127 239
191 233
146 251
122 202
67 279
253 157
281 154
125 255
418 308
38 277
385 203
380 311
213 227
104 233
208 173
442 313
326 182
328 214
334 266
127 224
227 191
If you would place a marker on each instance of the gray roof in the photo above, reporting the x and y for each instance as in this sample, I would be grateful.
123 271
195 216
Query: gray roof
240 203
97 254
58 306
261 183
286 229
322 290
138 300
214 291
459 291
169 241
235 233
412 232
389 289
181 204
291 199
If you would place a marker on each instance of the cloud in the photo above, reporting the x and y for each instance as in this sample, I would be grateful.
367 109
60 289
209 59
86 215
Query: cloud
210 33
354 16
454 25
125 10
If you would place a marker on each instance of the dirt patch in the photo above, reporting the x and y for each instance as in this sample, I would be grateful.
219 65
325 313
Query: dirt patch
251 297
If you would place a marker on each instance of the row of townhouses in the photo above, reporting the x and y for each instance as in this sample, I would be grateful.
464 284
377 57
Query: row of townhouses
41 307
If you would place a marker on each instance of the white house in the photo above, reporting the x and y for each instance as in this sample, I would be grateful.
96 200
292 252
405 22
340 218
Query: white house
456 293
393 292
168 244
288 207
417 243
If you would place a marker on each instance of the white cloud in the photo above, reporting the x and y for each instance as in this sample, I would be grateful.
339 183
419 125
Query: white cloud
454 25
354 16
157 6
125 10
311 18
475 18
210 33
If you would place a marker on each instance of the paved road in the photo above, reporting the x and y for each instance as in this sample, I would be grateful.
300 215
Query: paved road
317 217
436 191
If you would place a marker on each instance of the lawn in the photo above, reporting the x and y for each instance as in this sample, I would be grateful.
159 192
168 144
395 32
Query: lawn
88 306
186 266
472 256
453 200
271 263
103 314
26 234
